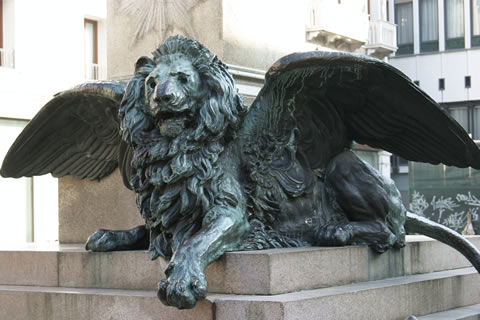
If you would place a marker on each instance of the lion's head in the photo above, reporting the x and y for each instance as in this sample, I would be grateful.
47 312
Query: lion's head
179 111
184 90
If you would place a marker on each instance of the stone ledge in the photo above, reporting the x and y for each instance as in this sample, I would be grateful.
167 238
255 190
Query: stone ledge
464 313
394 298
53 303
254 272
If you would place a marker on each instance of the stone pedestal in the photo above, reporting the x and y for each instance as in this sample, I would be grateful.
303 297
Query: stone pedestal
85 206
66 282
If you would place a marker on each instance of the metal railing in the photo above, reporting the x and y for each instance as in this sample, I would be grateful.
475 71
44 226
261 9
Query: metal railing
95 72
7 58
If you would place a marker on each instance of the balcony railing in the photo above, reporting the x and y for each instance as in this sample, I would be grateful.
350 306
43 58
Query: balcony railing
382 38
95 72
7 58
339 26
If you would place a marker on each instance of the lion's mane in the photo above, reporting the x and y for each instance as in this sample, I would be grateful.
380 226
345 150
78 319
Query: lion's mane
177 180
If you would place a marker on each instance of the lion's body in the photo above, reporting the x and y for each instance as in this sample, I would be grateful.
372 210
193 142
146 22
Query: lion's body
205 187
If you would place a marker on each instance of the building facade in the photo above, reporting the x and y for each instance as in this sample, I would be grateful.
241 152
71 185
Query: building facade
45 47
439 49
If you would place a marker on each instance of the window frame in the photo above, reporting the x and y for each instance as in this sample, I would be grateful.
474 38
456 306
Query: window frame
471 106
453 43
474 39
407 48
1 25
432 45
94 23
1 30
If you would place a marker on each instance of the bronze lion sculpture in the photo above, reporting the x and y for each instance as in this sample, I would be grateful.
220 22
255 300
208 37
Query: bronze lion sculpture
211 176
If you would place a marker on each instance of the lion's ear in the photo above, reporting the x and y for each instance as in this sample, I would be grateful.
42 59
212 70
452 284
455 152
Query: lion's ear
143 62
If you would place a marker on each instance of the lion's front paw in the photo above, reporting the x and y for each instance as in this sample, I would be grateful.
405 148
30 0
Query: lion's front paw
102 240
184 286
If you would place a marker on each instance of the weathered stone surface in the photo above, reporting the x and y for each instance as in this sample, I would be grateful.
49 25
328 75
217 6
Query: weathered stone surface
394 298
85 206
46 303
206 19
464 313
253 272
29 268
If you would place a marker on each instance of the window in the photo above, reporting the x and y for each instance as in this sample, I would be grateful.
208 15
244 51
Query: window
91 50
460 114
404 21
441 84
468 82
428 25
7 58
476 122
475 11
1 32
454 24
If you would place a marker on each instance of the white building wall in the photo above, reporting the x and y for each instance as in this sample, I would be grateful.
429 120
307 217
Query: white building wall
48 43
452 65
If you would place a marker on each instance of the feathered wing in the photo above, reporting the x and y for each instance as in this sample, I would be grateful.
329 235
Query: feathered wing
76 133
326 100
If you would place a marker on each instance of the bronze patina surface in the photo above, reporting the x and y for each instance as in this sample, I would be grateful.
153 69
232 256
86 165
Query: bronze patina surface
211 176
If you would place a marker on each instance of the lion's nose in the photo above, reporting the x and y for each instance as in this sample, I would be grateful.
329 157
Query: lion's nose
164 94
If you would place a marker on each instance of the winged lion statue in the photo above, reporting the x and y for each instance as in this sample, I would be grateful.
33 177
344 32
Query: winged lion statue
212 176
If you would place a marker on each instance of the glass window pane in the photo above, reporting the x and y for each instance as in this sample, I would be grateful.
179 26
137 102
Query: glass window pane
476 122
476 17
404 21
461 115
429 25
89 45
454 24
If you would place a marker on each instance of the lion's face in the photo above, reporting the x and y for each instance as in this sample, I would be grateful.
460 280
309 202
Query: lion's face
173 91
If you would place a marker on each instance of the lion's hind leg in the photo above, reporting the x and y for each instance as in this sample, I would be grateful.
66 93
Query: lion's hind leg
137 238
374 233
368 204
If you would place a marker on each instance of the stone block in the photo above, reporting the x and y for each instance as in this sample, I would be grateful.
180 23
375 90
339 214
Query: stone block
263 272
46 303
395 298
29 268
86 206
464 313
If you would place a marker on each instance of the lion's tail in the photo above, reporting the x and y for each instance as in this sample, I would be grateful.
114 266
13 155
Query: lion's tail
418 224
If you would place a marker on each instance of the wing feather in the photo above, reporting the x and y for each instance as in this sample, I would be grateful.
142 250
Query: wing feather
76 133
331 99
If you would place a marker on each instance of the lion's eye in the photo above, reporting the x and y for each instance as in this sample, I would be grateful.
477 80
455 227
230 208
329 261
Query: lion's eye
151 83
182 77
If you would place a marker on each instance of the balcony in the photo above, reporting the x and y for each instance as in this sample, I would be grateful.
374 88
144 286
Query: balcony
95 72
382 39
338 26
7 58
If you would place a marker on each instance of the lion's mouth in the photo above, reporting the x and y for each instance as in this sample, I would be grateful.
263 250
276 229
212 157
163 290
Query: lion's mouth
171 124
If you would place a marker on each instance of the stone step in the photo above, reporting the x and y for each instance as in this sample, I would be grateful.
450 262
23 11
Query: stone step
255 272
464 313
55 303
394 298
